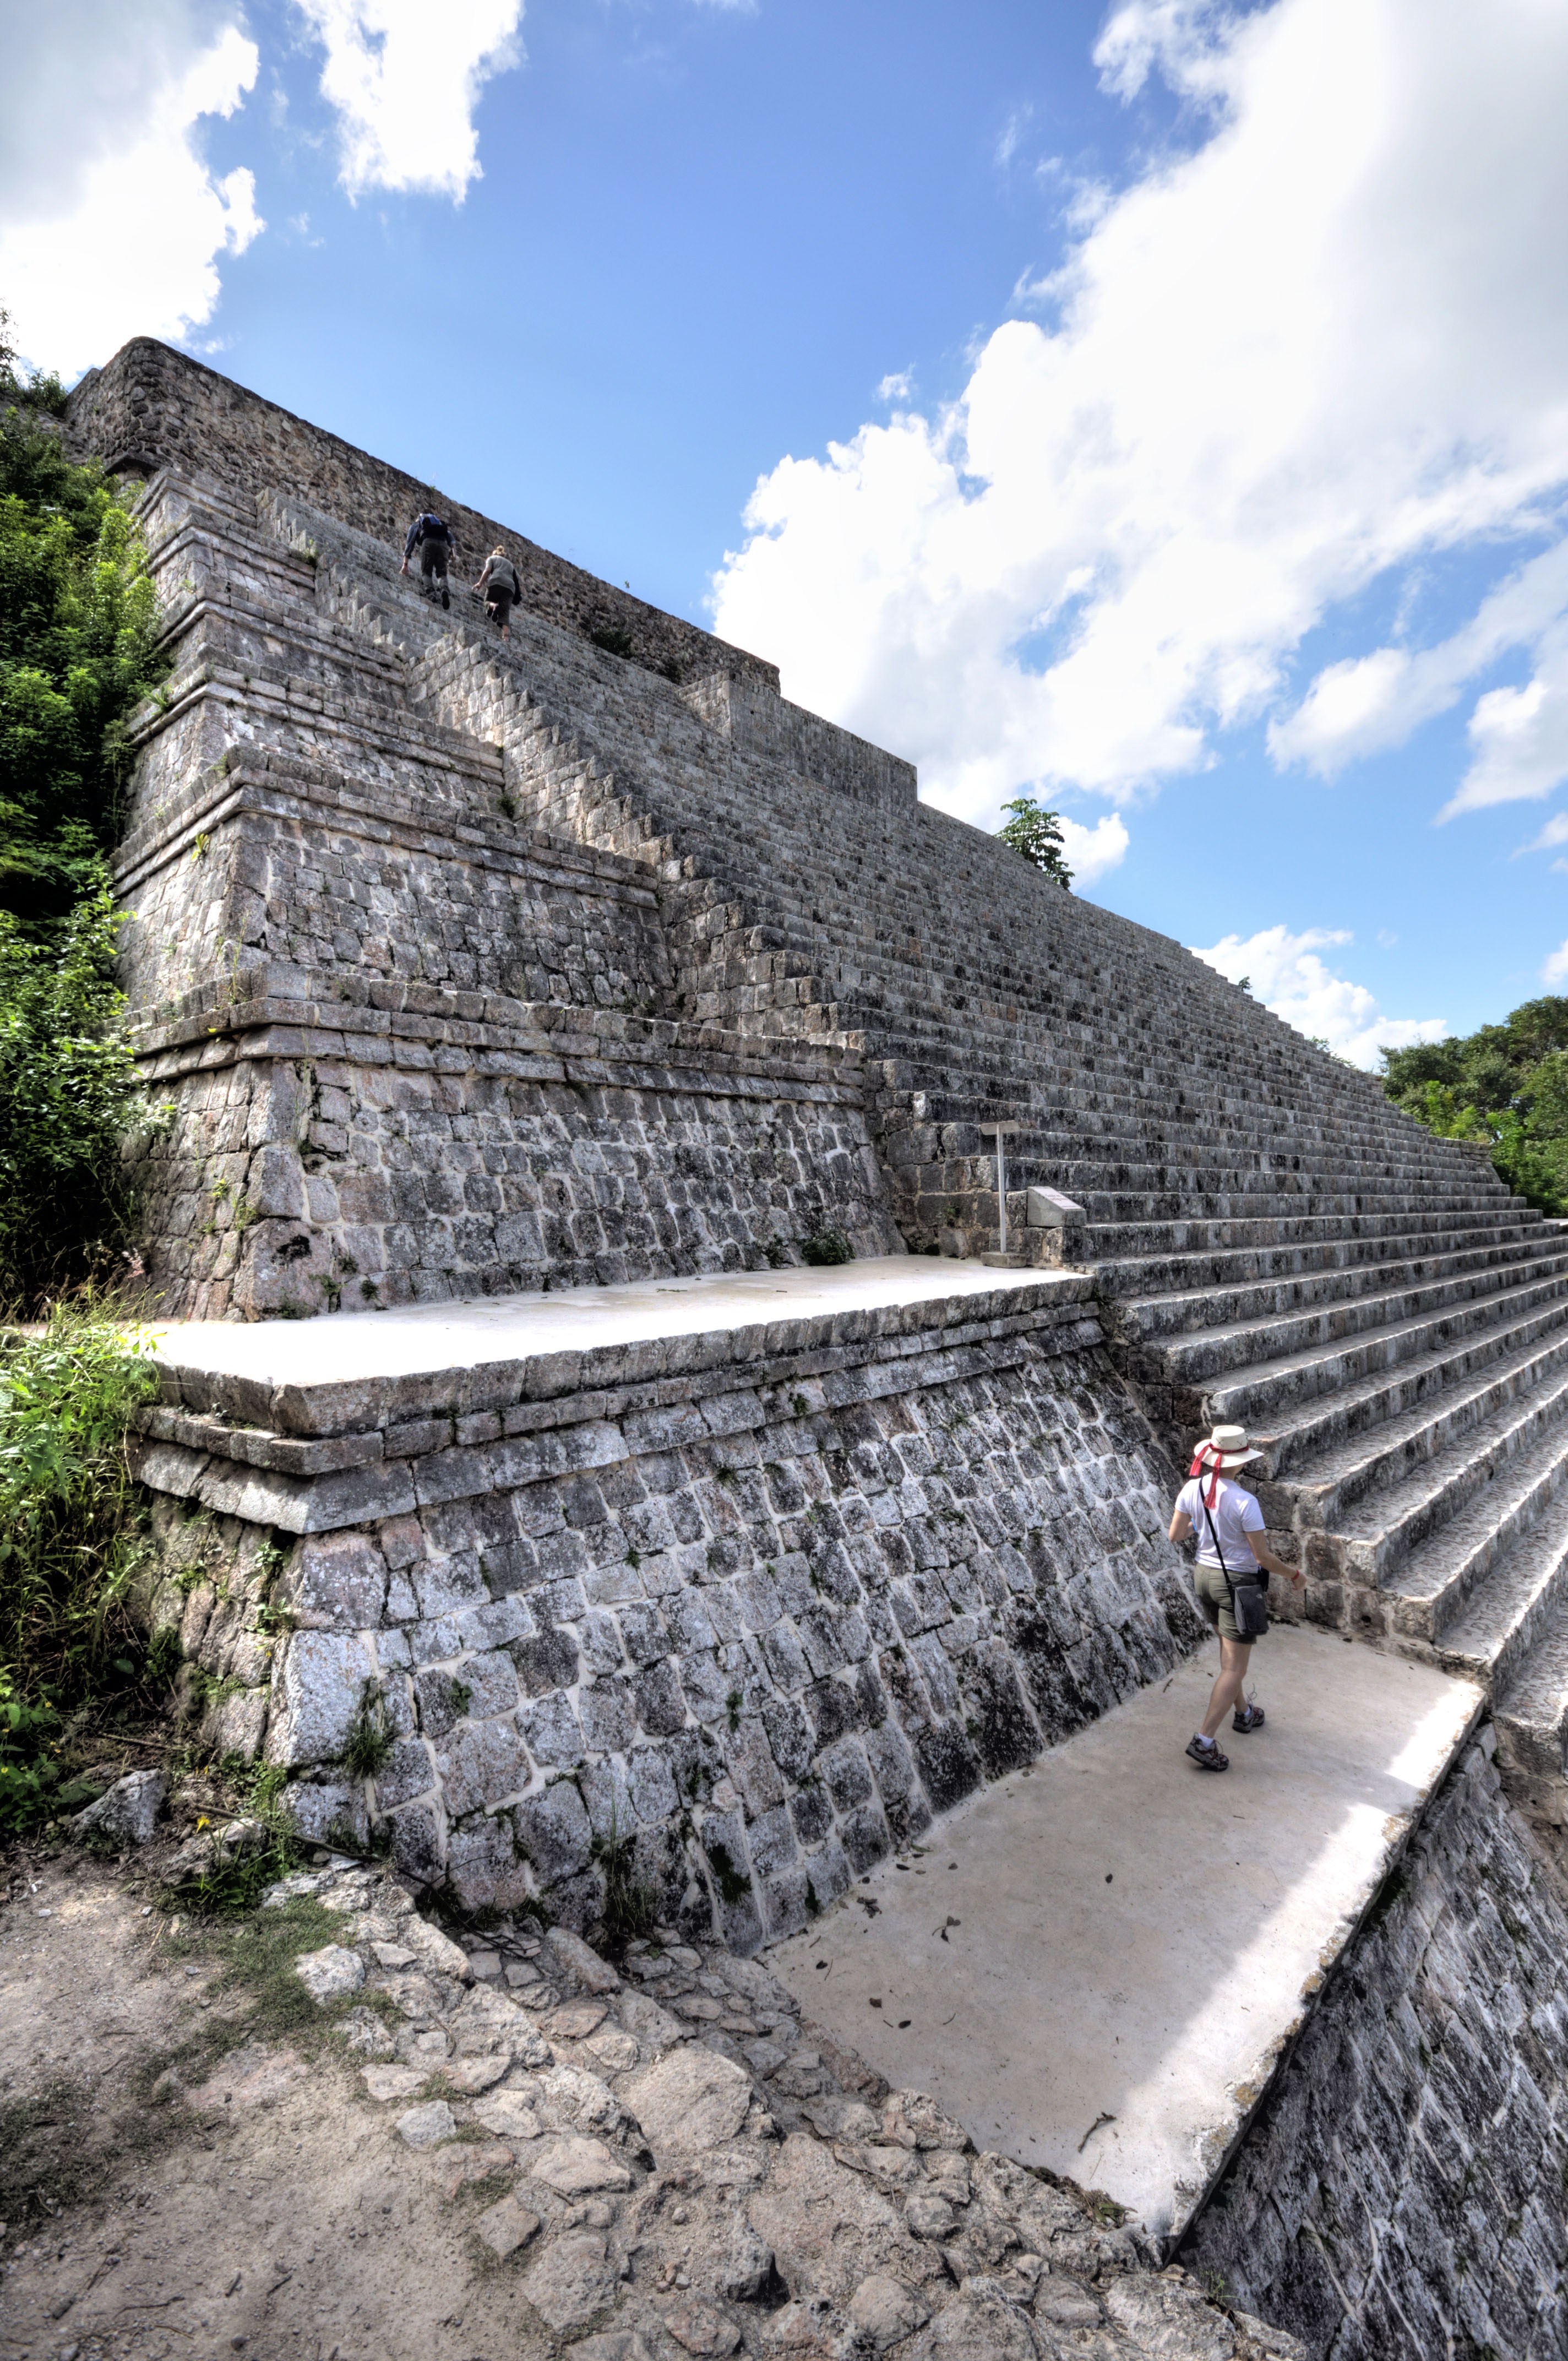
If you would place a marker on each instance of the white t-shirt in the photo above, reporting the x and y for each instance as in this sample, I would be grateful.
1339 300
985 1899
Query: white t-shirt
1235 1514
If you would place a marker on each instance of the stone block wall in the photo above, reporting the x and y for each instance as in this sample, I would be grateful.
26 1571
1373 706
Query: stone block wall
1401 2195
151 406
329 1158
757 1604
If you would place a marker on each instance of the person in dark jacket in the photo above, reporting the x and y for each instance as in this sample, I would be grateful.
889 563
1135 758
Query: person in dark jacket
432 539
502 586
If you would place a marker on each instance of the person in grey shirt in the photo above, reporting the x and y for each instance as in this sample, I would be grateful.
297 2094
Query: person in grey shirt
502 586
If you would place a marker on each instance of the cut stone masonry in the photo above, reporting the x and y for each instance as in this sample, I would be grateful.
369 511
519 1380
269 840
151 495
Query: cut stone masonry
553 1007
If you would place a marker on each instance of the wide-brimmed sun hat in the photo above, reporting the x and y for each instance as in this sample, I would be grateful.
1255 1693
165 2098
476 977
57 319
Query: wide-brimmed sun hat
1226 1447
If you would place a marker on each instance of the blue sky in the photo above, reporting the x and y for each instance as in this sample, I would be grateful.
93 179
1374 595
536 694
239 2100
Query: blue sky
1139 406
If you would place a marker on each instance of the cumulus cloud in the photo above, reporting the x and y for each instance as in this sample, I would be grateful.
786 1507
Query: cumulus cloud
1287 975
113 222
404 78
1554 968
1322 343
1090 851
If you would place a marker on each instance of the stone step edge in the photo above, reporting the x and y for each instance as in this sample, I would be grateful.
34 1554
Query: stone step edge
440 835
1503 1656
1440 1421
1435 1297
302 627
1515 1458
554 1027
517 1394
422 1045
429 744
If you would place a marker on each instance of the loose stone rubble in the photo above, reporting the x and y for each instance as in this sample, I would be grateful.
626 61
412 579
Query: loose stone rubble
677 2163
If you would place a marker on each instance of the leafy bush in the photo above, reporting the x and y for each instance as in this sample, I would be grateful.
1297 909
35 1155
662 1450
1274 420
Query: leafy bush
1504 1086
1038 835
825 1247
68 1092
70 1541
78 650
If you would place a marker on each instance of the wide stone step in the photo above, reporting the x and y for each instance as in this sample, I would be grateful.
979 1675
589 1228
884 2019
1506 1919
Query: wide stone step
1496 1639
1463 1508
1199 1279
1316 1485
1454 1343
1132 1247
1237 1308
295 715
1195 1355
1532 1713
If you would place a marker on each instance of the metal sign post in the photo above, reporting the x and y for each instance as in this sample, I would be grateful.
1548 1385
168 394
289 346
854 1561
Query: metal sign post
999 1132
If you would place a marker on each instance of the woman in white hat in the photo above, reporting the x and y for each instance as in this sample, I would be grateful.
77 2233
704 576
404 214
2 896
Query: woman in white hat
1228 1522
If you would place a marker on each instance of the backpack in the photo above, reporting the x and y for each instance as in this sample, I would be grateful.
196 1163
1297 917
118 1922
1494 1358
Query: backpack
430 528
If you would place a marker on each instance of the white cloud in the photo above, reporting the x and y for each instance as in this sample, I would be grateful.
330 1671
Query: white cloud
1328 342
1554 968
1520 736
1288 976
115 226
1090 851
404 76
897 386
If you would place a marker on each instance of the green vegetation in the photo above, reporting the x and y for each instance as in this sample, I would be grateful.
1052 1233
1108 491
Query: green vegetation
78 631
70 1543
826 1247
69 1091
1038 835
1506 1087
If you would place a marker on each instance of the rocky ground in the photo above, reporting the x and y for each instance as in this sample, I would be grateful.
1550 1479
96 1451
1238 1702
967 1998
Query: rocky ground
326 2130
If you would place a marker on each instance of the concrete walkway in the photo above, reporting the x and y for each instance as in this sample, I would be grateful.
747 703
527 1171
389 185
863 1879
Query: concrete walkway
1129 1940
487 1329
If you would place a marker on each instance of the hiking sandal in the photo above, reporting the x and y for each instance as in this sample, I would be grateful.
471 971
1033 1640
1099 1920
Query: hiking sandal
1208 1758
1250 1716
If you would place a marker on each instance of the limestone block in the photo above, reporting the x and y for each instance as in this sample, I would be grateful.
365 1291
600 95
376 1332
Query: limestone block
318 1684
337 1582
688 2101
128 1812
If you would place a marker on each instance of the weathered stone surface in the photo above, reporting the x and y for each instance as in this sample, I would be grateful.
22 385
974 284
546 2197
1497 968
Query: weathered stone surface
318 1686
701 2328
574 2167
428 2125
330 1974
884 2309
572 2280
506 2226
584 1964
512 2115
385 2082
689 2101
1434 2068
128 1812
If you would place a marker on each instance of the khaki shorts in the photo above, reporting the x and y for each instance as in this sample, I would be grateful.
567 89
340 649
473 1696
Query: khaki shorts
1215 1598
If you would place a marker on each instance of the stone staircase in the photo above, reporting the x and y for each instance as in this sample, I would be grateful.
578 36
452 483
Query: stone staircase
1272 1241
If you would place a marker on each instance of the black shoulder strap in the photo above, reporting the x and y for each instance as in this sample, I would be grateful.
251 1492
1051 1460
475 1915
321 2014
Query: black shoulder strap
1213 1536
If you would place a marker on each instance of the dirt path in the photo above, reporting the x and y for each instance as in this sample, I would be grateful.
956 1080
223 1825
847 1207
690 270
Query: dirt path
322 2130
272 2212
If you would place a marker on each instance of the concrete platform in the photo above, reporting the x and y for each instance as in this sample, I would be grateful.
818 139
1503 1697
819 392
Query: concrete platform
343 1350
1130 1942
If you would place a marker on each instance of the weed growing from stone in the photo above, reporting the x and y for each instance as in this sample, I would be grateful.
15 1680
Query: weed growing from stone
369 1739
